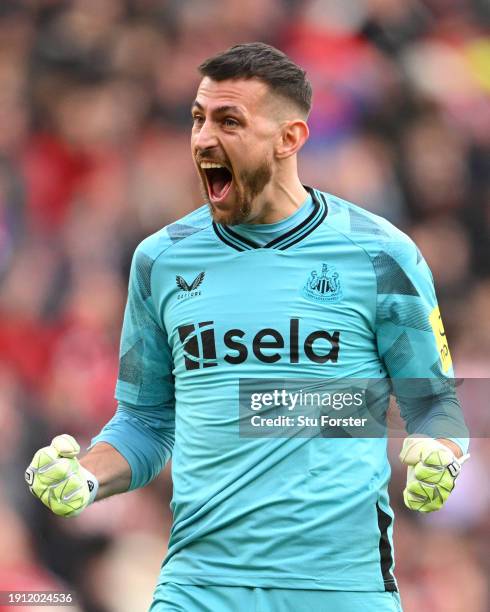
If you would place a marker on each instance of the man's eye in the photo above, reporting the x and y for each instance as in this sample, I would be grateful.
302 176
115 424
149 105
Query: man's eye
197 119
229 122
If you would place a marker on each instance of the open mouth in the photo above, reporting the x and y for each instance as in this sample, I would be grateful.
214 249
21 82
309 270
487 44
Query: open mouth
219 180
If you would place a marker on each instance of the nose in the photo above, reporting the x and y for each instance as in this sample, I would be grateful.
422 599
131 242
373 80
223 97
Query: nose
205 138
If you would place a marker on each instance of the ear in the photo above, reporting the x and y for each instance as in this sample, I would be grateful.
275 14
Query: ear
292 137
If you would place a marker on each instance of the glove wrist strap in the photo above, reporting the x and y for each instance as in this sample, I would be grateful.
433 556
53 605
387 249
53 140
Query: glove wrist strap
93 484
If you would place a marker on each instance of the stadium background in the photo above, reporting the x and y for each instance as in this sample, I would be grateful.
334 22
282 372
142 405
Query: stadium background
94 156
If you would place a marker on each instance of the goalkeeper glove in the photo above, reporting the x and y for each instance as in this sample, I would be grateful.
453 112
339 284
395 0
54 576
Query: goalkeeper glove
56 477
431 474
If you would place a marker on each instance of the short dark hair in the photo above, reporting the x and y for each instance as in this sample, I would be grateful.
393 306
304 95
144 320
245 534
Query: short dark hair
261 61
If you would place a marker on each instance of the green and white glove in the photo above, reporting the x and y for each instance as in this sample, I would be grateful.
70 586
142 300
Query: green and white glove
56 477
431 474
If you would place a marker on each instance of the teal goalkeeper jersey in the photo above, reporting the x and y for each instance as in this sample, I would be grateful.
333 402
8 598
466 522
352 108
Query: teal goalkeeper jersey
342 293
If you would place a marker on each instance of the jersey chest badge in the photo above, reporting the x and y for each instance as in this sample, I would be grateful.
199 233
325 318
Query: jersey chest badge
323 286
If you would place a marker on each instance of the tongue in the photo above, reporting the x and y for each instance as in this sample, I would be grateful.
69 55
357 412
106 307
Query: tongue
219 181
218 186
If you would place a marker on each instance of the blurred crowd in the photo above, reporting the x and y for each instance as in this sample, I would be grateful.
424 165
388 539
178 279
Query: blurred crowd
94 156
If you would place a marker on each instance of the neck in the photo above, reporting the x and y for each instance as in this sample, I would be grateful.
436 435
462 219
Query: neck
281 198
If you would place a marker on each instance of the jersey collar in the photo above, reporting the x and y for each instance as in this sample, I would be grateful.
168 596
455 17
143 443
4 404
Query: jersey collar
286 240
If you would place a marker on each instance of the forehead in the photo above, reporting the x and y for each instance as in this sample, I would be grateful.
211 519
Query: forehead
248 94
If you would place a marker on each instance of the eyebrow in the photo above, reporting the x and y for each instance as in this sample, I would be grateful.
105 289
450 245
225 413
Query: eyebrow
226 108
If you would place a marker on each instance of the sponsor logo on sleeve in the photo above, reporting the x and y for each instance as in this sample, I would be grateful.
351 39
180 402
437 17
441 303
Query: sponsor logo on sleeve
441 340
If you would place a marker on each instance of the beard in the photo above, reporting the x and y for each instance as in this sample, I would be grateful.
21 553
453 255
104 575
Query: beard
249 185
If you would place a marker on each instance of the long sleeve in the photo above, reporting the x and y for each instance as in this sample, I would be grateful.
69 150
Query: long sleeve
143 427
144 435
413 345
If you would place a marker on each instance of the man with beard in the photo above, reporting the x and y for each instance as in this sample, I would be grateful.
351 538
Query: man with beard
270 279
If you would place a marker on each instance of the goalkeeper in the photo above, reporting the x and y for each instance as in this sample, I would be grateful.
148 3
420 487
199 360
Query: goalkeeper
267 523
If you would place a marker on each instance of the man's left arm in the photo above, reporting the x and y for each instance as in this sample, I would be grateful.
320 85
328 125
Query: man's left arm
453 447
413 345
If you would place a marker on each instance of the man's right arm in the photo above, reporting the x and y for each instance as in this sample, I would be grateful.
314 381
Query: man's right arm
141 432
109 467
131 449
142 438
135 444
129 452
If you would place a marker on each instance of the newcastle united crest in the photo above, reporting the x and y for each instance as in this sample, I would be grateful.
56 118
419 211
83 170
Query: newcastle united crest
323 286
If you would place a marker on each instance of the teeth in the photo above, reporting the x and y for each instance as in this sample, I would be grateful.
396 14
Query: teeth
206 165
